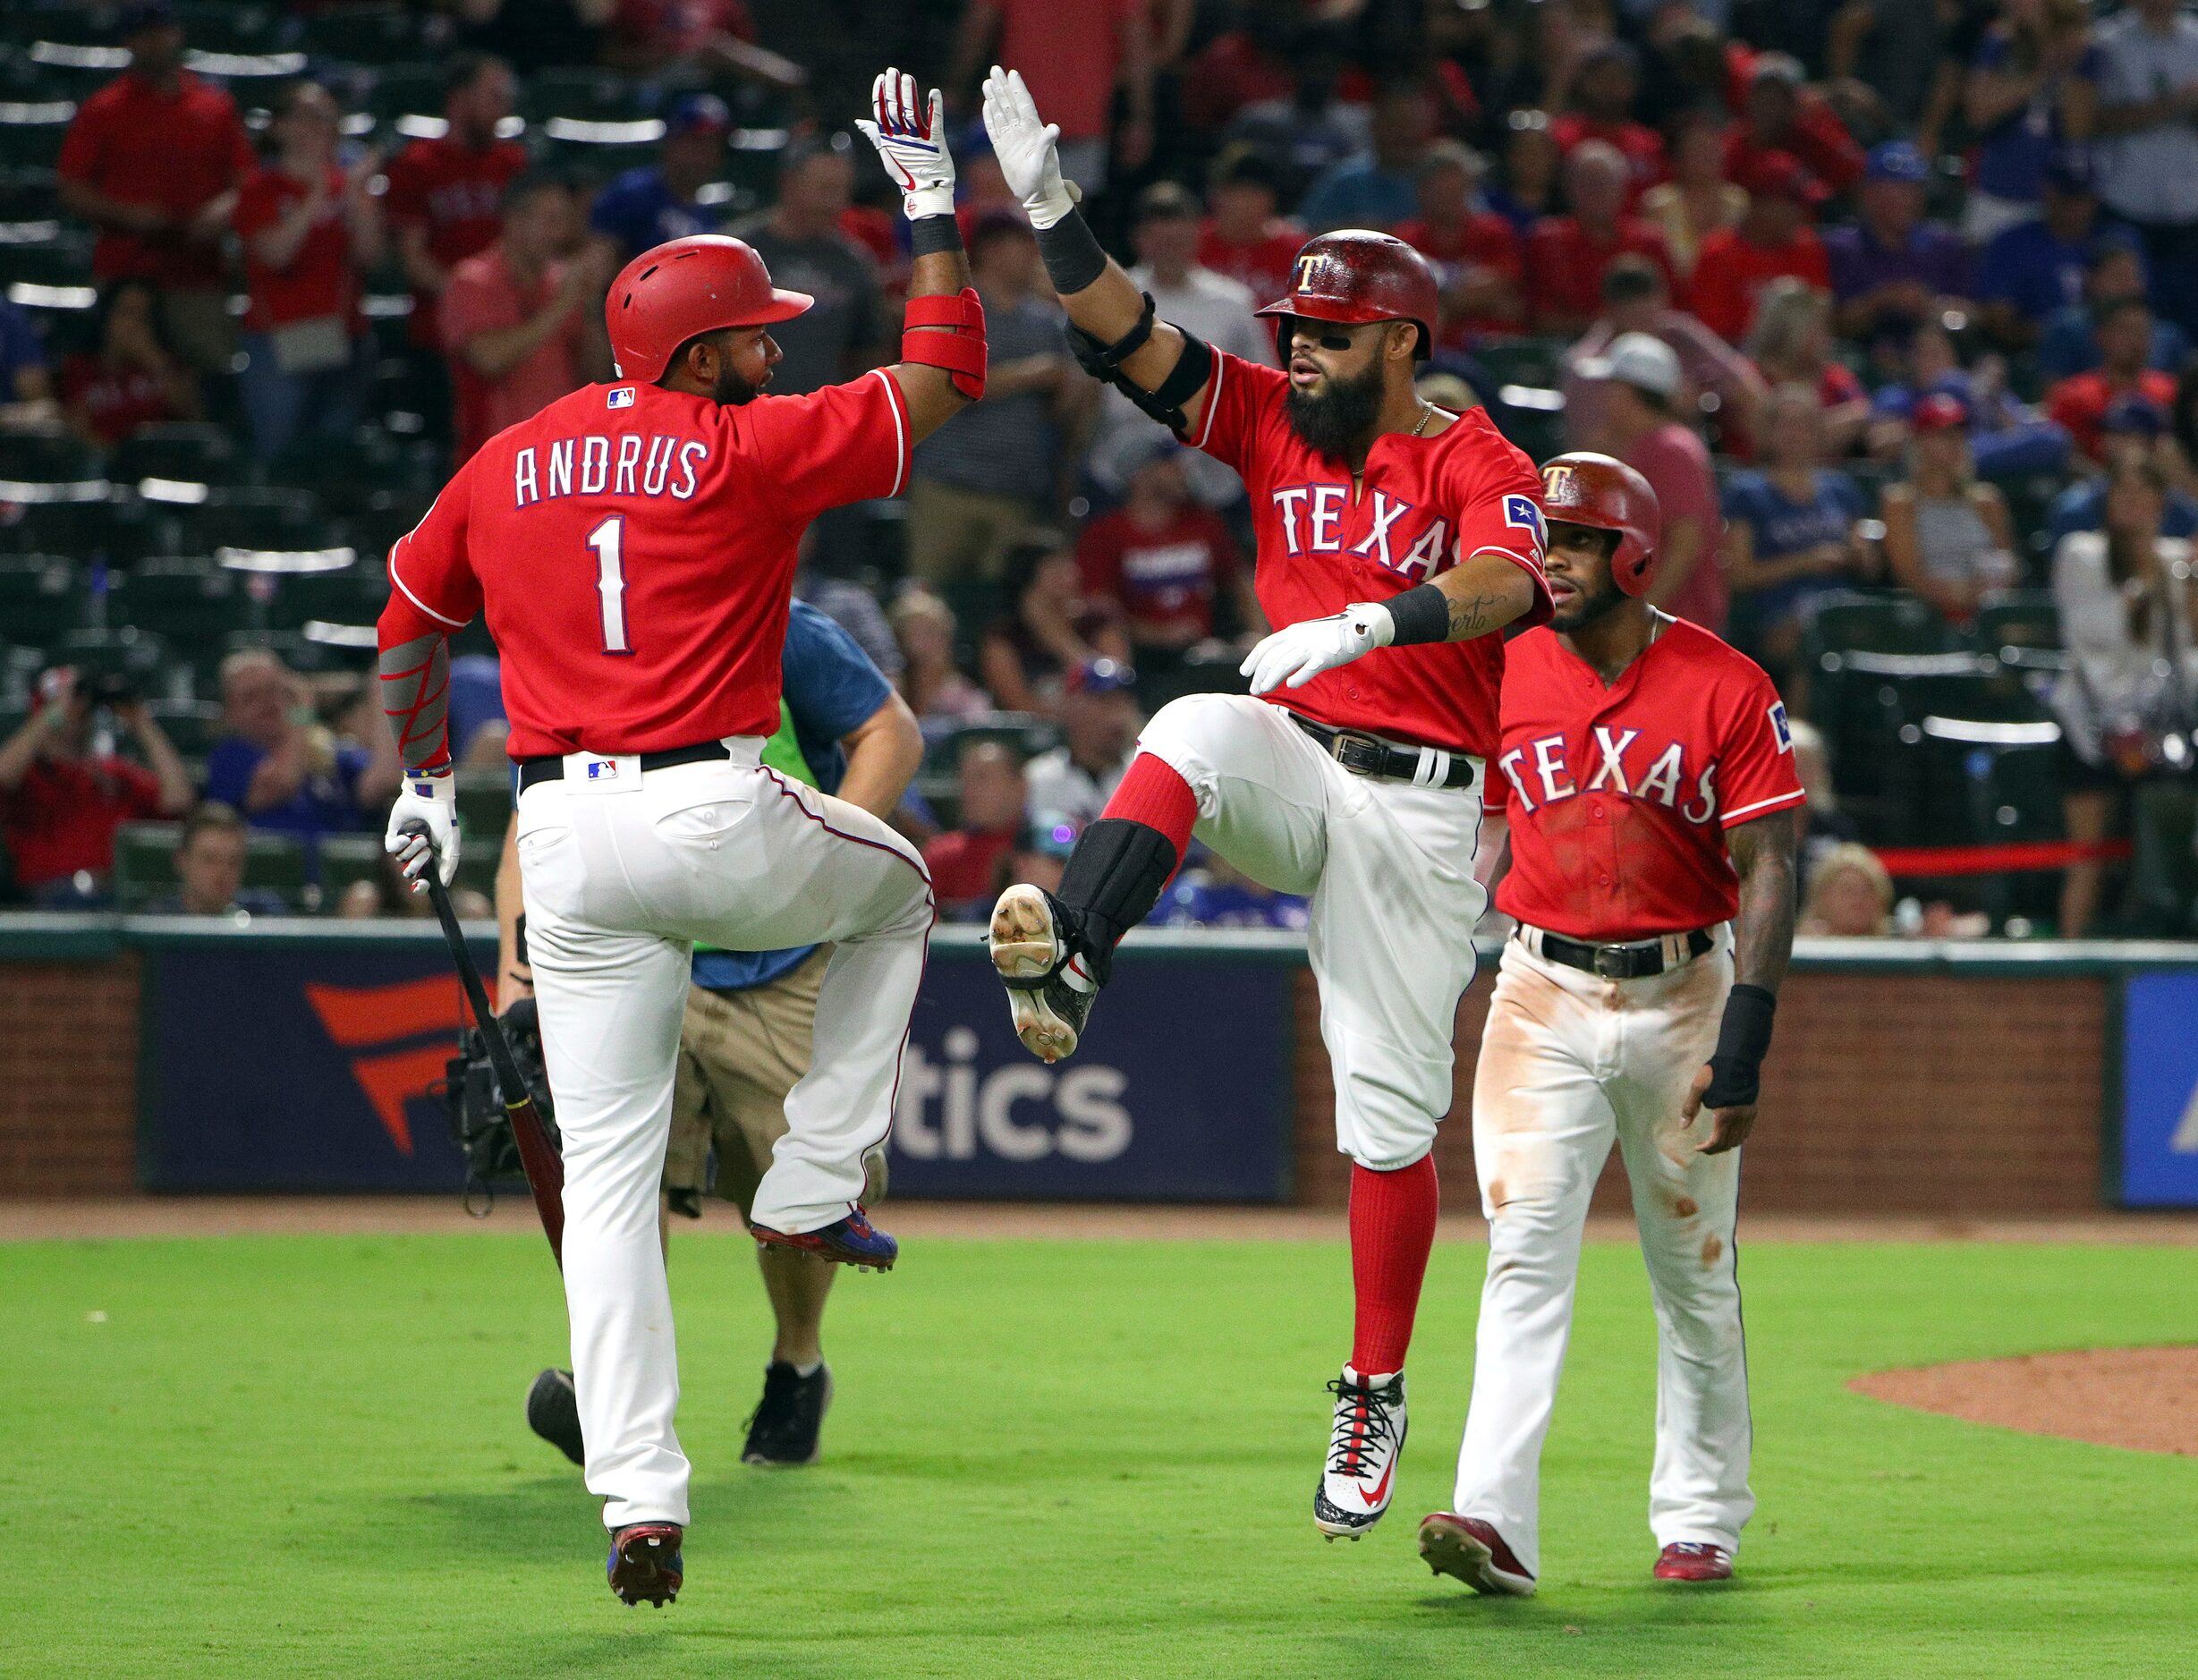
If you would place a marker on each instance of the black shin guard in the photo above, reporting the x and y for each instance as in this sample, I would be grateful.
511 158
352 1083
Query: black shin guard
1112 879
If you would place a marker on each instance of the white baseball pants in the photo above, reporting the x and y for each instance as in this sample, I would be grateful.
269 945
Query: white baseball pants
621 872
1389 869
1568 1063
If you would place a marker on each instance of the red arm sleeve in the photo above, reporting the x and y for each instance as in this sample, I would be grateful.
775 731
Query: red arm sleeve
1755 761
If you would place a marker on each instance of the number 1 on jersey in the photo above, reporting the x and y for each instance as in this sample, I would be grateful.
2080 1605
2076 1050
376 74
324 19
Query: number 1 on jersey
609 540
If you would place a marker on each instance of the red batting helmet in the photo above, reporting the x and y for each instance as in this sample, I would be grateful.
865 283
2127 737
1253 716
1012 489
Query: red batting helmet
702 284
1354 275
1585 489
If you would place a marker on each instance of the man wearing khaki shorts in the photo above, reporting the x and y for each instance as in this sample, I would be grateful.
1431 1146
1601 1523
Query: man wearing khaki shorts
745 1036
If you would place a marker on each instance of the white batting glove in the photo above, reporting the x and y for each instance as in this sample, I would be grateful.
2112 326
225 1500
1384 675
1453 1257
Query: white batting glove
1297 653
911 143
432 799
1029 150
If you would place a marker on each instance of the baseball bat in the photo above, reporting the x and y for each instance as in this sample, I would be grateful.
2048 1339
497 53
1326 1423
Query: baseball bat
544 1169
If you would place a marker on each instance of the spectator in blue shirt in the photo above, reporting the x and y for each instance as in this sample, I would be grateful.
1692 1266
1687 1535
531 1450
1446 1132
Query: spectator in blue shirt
746 1036
1790 533
2133 425
2030 88
1213 894
2116 272
26 373
646 206
1380 187
2039 267
1893 268
284 769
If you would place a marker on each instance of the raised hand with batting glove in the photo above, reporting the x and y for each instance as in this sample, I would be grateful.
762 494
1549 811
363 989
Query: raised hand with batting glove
430 798
910 141
1028 148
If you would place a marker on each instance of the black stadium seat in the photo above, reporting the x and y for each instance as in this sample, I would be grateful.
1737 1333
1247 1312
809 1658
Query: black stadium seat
189 451
42 599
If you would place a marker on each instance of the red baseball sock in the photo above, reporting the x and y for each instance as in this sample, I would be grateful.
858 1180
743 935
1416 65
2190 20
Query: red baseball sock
1392 1229
1153 794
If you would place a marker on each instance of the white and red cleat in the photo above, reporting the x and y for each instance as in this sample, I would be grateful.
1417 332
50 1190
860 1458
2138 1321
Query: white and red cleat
1472 1551
1693 1560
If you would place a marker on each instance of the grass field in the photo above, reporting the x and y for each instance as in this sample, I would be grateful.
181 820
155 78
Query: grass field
304 1457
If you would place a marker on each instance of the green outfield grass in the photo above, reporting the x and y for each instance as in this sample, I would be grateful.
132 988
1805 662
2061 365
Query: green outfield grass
305 1457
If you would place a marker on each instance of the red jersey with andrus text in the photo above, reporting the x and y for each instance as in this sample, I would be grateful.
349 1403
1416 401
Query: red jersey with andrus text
1618 798
1425 505
633 548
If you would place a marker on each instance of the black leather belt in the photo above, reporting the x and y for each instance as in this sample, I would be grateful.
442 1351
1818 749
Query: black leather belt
534 770
1368 755
1638 960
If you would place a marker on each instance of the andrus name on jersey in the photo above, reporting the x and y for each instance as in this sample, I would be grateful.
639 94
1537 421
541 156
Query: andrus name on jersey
1539 775
597 465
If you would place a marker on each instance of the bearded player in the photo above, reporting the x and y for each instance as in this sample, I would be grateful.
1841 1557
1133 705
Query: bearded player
1652 798
1390 532
633 546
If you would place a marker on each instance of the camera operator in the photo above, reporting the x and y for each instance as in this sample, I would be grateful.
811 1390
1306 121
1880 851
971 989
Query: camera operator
64 791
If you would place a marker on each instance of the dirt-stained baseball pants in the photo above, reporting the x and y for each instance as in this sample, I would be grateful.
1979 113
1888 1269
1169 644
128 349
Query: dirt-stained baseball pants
622 871
1568 1064
1388 867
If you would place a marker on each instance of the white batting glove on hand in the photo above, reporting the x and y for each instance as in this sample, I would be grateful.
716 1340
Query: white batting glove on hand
432 799
1297 653
911 143
1028 150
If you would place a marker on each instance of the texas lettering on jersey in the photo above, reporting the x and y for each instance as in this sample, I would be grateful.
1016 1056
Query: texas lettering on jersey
1618 798
1422 505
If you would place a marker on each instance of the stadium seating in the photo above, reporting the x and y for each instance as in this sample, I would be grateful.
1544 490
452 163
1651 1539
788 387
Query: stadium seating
186 450
42 599
189 603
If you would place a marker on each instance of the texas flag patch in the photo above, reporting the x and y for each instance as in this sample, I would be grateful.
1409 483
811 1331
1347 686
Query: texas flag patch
619 396
1779 727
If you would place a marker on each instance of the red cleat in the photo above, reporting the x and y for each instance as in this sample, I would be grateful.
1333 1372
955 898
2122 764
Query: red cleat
1694 1560
1473 1552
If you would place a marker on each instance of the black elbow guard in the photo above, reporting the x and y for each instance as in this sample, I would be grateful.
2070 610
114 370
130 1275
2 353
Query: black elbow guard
1104 361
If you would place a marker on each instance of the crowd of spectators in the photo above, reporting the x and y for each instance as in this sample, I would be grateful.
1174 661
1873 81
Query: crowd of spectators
1878 296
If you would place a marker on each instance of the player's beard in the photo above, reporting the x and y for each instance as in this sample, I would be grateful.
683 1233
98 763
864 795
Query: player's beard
1342 418
1587 609
732 390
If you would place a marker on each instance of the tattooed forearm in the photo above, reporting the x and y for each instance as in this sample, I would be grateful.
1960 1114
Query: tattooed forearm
1764 932
1483 592
1471 618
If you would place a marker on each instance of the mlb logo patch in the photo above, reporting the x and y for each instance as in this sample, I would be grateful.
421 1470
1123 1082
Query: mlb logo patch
1779 727
620 396
602 769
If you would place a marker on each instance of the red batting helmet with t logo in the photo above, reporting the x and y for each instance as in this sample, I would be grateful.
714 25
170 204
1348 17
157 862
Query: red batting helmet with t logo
1585 489
1354 275
670 292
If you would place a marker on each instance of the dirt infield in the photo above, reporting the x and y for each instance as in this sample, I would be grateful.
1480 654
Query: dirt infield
2144 1399
105 1219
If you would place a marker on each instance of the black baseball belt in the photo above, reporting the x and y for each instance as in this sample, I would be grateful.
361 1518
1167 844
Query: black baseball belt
1636 959
1369 755
534 770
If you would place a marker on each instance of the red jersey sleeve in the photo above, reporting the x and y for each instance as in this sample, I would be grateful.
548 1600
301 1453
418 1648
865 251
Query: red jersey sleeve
137 788
1755 758
86 139
845 442
1498 495
1241 399
429 566
1098 559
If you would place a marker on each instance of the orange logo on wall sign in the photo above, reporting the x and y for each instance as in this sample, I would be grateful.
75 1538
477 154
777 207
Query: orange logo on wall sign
360 1018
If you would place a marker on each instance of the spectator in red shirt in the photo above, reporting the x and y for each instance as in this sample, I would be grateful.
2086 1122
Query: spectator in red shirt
649 37
1164 563
151 161
1604 86
1713 377
1566 255
63 795
309 227
131 379
1642 385
2125 341
520 321
1782 116
1773 241
445 194
1476 252
1072 64
992 797
1244 237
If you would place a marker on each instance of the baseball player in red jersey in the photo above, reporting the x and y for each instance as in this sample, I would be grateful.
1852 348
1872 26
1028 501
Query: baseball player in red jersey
1651 796
633 546
1391 534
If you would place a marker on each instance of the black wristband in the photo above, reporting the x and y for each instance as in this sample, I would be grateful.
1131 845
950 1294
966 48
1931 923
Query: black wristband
929 235
1420 614
1073 259
1744 1039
